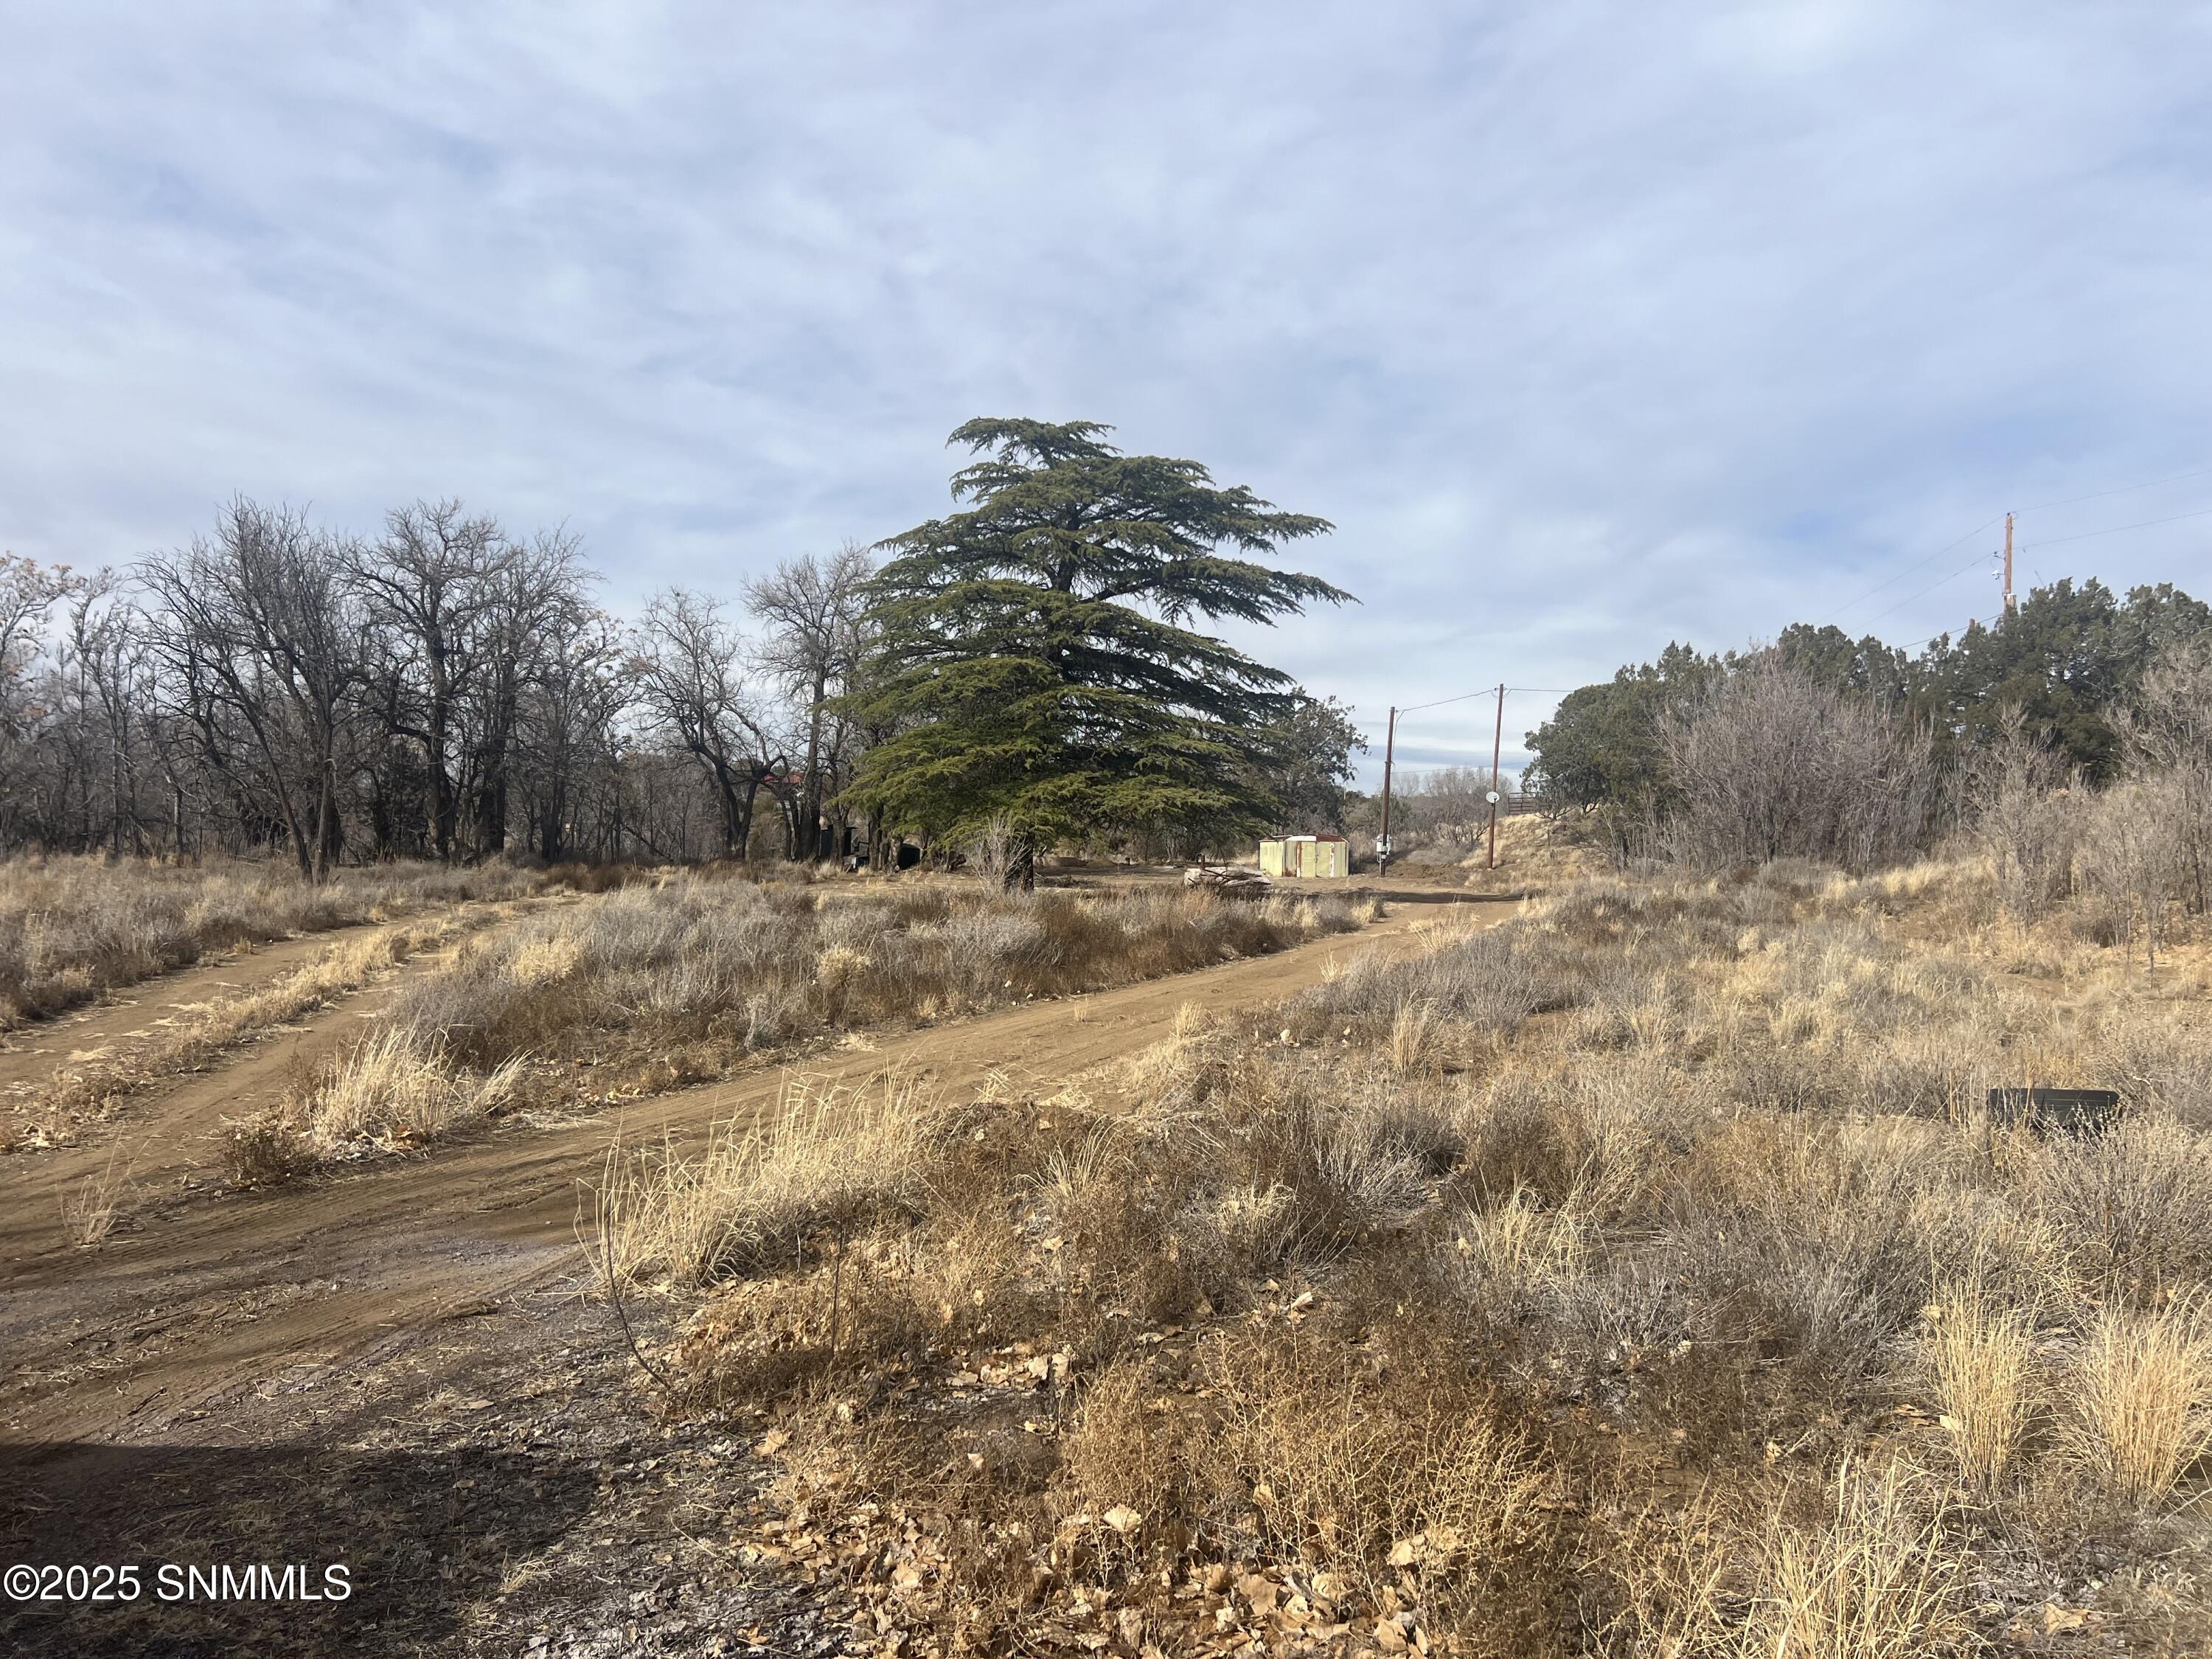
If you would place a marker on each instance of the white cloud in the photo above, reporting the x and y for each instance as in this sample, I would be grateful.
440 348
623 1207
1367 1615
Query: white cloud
1590 325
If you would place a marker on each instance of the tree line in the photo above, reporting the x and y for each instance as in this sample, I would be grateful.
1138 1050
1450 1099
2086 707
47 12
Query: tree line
444 688
1026 673
2072 739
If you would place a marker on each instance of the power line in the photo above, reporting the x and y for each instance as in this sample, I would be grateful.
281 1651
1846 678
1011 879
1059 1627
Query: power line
1487 691
1940 633
2125 490
2039 507
1917 564
2054 541
1925 591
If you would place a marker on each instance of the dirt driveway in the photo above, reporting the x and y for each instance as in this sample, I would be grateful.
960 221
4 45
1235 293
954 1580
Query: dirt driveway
379 1309
204 1294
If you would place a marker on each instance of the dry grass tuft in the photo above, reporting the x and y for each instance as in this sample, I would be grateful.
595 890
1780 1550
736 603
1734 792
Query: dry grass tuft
825 1161
1873 1579
2143 1398
1981 1359
88 1212
1409 1036
260 1152
396 1089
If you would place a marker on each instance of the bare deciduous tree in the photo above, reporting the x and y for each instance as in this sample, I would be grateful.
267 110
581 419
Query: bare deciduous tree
2171 737
432 581
1770 763
535 596
2129 858
688 663
2018 815
568 725
259 623
814 641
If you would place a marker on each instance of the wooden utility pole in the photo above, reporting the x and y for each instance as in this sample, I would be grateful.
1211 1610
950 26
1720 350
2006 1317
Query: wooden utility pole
2007 577
1390 751
1497 748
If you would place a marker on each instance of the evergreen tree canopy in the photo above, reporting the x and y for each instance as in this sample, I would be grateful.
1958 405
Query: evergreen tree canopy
1036 662
1601 746
2067 658
2067 661
1306 763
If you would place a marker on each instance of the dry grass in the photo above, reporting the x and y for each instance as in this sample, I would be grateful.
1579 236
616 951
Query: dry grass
73 927
823 1162
650 986
1873 1577
2143 1396
89 1212
1981 1358
396 1088
84 1092
1639 1278
681 979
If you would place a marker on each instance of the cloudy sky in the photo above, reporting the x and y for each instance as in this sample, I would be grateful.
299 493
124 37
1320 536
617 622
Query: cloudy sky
1589 325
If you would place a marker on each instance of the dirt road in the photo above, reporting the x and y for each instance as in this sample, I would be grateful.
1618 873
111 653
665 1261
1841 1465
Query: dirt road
394 1369
204 1297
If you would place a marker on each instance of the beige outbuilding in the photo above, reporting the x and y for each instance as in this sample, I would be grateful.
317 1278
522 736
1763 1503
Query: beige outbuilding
1306 858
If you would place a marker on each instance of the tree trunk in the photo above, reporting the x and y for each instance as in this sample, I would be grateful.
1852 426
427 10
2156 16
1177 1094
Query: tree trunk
810 806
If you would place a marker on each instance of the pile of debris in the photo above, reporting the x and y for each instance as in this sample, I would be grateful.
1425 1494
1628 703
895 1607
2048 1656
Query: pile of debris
1229 880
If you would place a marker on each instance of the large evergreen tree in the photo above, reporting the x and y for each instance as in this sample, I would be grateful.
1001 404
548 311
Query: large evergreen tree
1036 663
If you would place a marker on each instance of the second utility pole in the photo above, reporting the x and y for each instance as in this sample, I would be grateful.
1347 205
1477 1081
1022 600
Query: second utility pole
1497 744
2008 592
1390 749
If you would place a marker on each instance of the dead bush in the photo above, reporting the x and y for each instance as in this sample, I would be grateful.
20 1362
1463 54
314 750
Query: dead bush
1137 1445
260 1152
1771 764
2128 1207
1424 1470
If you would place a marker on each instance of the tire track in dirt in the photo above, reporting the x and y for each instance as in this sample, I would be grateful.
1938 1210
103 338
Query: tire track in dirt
141 1015
169 1147
148 1337
166 1131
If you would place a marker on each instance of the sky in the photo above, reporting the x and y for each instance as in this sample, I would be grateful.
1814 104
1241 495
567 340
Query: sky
1589 327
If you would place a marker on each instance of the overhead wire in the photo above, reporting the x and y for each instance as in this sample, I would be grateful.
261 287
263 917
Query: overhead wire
1487 691
2067 501
1944 632
1917 564
1925 592
2056 541
2125 490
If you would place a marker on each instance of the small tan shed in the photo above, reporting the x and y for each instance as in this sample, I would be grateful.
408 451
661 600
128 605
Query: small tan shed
1306 858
